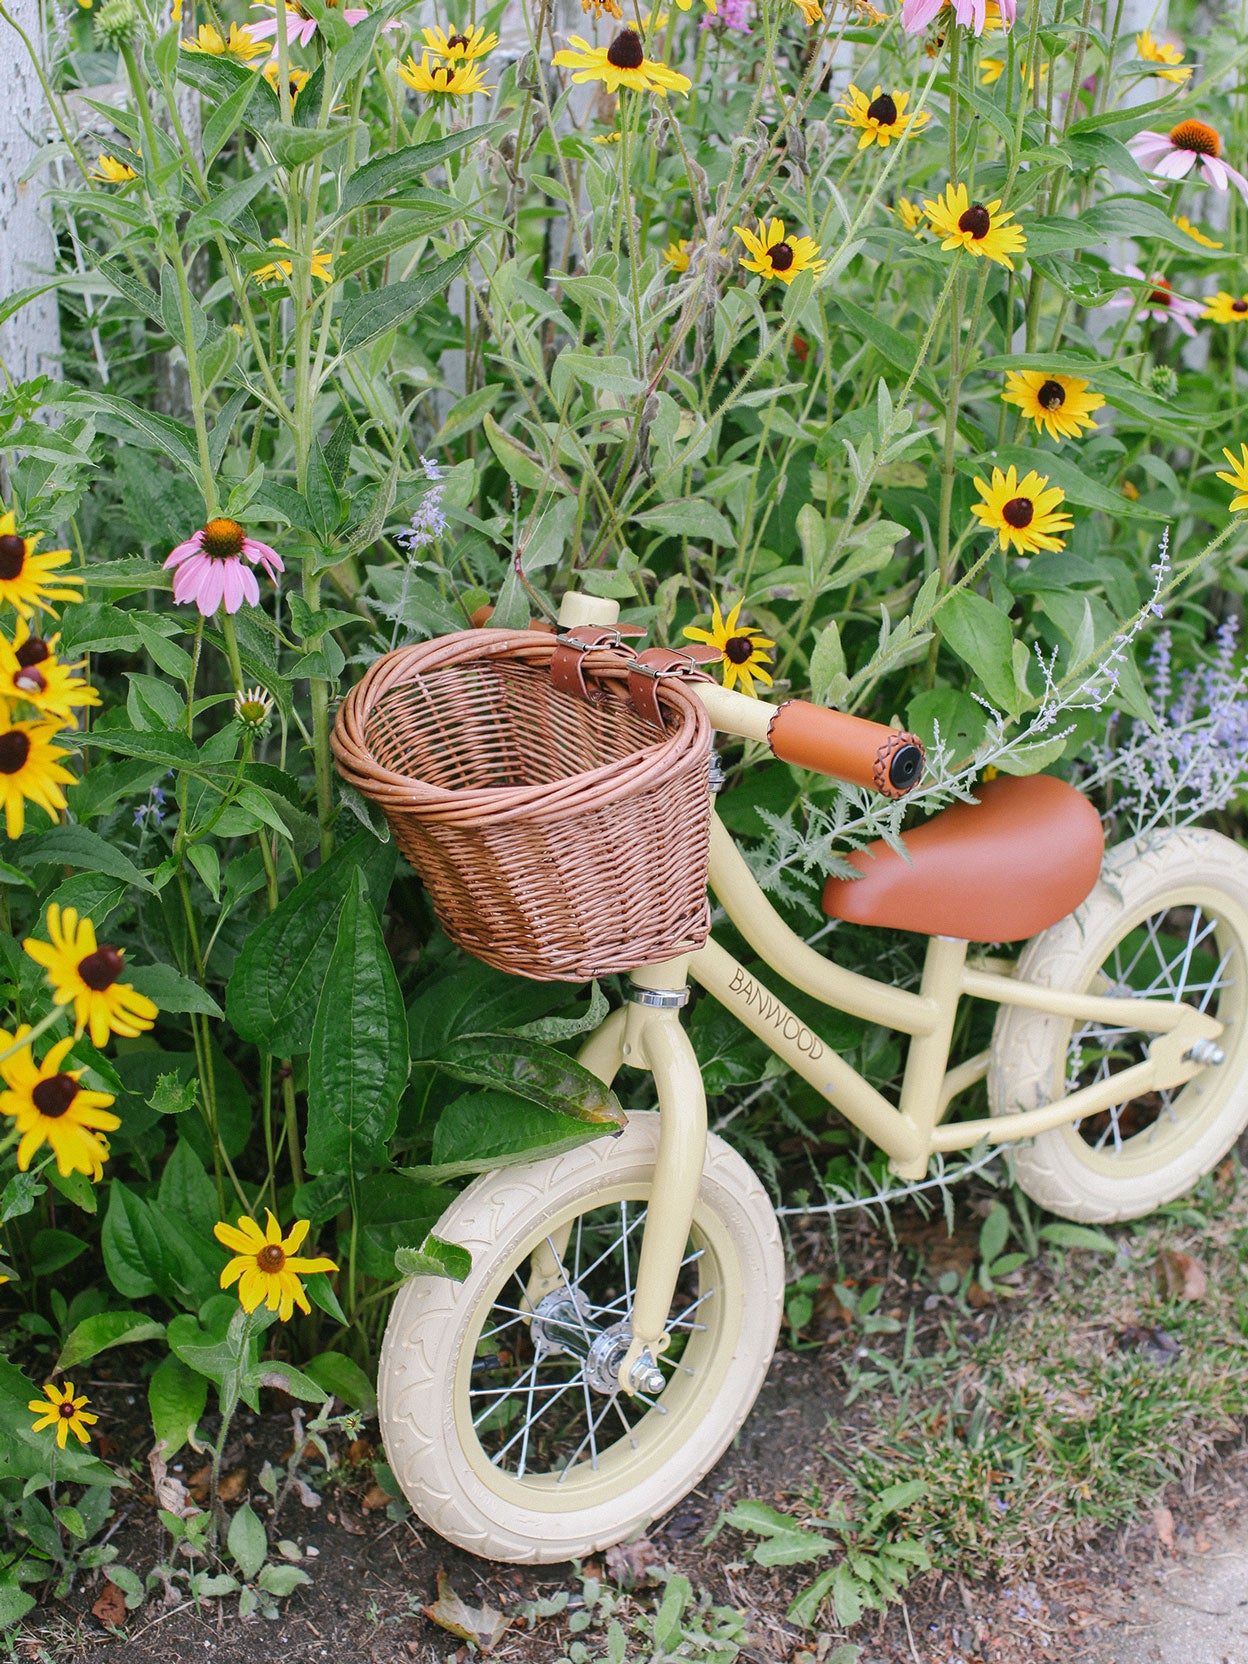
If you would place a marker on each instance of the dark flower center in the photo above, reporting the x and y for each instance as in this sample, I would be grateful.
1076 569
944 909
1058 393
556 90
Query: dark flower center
458 40
223 539
99 970
1018 512
271 1258
34 650
738 649
14 750
1052 395
1195 135
781 257
1161 295
625 50
12 556
976 221
52 1097
442 76
30 680
883 109
1239 306
66 1410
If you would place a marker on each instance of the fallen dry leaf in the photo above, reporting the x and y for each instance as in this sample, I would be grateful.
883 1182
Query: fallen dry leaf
1179 1276
481 1625
359 1451
171 1494
631 1563
374 1498
1163 1525
109 1606
232 1485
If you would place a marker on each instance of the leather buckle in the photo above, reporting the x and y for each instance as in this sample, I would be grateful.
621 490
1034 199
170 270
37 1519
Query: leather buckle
649 668
567 663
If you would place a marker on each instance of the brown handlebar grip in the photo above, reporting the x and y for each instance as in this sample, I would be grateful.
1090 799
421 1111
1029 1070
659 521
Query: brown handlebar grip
848 747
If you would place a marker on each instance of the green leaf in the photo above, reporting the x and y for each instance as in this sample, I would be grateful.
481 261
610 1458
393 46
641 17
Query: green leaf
551 1029
784 1544
395 1209
134 1255
363 318
434 1258
173 750
336 1373
225 207
320 1292
15 1603
277 977
52 1251
532 1071
687 517
247 1542
805 1609
171 990
518 461
358 1060
982 637
281 1580
1064 1235
96 1334
606 371
376 179
293 146
187 1191
176 1397
226 117
485 1130
160 433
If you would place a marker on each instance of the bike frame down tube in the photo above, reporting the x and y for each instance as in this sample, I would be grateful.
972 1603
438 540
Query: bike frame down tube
909 1134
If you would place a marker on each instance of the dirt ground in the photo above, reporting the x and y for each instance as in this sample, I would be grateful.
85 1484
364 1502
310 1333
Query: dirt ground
372 1575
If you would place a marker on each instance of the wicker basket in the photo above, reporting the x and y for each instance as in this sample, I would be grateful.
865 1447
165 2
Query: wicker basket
559 837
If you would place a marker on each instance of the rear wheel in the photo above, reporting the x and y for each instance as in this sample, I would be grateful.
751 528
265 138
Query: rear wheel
1168 920
503 1422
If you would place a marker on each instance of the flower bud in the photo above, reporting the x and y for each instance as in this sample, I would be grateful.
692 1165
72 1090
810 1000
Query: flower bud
1163 381
116 22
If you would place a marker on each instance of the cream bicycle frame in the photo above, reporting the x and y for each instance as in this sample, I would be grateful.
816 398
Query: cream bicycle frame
650 1036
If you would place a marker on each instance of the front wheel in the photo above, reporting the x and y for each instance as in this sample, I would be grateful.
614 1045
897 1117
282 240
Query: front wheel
503 1422
1167 920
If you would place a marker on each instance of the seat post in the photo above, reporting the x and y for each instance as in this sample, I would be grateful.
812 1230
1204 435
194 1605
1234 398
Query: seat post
928 1057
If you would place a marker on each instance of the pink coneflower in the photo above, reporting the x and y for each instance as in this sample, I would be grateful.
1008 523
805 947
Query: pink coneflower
299 26
1192 144
972 14
209 569
1161 303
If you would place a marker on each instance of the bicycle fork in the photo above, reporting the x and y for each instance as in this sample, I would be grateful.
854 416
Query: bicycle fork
646 1033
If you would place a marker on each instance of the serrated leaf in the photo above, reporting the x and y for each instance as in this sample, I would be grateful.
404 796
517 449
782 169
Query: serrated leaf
532 1071
363 318
434 1258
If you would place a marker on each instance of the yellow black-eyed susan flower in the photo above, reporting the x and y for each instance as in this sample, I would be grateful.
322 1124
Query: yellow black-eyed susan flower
978 227
109 171
881 118
460 48
772 253
279 270
1226 309
266 1265
85 974
1195 233
454 80
48 1105
28 580
296 79
742 649
60 1409
677 254
239 43
1238 477
1061 405
31 672
1023 512
1163 52
622 64
30 771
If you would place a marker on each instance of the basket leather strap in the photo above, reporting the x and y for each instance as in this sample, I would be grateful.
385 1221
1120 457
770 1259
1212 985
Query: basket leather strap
648 669
567 664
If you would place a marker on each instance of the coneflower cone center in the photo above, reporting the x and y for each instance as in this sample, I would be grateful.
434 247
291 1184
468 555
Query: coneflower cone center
30 680
883 109
66 1410
1018 512
14 750
223 539
12 555
1195 135
99 970
52 1097
1239 306
976 222
738 649
1052 395
271 1258
781 257
460 41
625 51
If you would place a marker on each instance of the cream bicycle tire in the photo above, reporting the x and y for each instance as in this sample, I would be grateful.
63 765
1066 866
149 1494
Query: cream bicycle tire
1197 880
435 1335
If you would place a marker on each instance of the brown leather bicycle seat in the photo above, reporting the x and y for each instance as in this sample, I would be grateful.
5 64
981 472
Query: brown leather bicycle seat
997 870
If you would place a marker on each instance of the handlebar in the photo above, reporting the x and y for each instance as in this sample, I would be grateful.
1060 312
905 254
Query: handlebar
850 748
